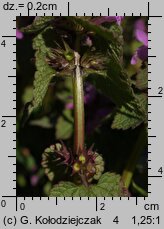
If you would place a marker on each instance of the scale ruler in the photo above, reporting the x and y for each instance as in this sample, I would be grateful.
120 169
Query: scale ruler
131 212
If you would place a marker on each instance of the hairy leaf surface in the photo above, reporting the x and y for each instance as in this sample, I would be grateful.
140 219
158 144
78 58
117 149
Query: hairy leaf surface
53 168
107 34
108 185
43 75
38 24
142 79
131 114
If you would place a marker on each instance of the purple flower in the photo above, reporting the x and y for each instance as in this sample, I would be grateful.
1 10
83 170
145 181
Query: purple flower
89 96
142 36
88 41
19 34
100 20
89 93
94 113
34 179
69 106
95 116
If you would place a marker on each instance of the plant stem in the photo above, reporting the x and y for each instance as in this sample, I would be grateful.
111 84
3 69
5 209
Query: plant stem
131 164
84 180
78 97
140 190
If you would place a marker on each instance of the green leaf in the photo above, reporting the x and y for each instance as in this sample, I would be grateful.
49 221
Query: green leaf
64 126
43 122
119 85
52 167
27 94
112 35
38 24
131 114
108 185
142 79
109 35
43 75
114 84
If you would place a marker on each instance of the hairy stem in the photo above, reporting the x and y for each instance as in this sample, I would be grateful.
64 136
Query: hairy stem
78 97
84 180
131 164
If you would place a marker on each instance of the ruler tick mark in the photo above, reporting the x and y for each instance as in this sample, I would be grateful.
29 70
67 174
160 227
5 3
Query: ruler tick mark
136 201
154 96
8 116
96 204
148 10
68 8
155 176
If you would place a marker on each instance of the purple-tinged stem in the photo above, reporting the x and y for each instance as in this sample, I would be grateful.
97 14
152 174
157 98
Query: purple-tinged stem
78 97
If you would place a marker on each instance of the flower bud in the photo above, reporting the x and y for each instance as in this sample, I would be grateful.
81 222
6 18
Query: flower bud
90 168
82 159
76 167
69 56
